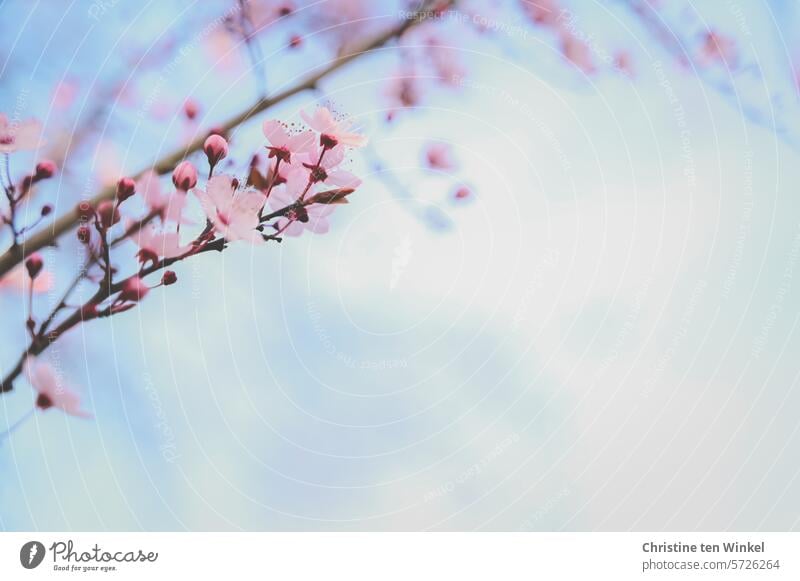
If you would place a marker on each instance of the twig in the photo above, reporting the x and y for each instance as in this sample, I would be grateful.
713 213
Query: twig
49 235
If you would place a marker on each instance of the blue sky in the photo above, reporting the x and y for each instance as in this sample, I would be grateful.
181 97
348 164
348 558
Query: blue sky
602 339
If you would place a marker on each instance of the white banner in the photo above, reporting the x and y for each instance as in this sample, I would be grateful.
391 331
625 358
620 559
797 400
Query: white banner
401 556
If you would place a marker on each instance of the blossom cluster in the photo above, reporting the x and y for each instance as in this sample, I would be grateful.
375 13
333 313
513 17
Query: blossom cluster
302 184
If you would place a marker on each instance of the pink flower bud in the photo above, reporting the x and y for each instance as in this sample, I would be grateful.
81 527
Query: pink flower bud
126 187
45 169
47 209
295 41
133 290
108 214
169 278
184 176
191 109
34 264
216 149
462 193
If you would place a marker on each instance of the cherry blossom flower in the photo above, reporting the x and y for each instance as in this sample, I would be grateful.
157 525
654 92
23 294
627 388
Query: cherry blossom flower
24 136
52 393
233 214
170 205
313 218
322 121
282 145
153 242
322 168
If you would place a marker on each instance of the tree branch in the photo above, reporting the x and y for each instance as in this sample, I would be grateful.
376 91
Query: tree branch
48 236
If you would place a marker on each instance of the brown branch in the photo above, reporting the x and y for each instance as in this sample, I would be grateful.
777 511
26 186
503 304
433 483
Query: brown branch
44 338
49 235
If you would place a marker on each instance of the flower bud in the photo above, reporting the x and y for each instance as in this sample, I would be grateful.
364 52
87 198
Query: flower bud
295 41
462 193
47 209
45 169
126 187
216 149
108 213
133 290
34 265
169 278
184 176
191 109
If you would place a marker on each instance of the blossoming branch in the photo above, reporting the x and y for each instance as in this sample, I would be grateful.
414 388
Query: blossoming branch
301 185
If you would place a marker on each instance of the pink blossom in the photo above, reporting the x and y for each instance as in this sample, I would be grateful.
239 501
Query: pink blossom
325 171
23 136
322 121
51 391
133 290
234 214
170 205
295 223
282 144
159 243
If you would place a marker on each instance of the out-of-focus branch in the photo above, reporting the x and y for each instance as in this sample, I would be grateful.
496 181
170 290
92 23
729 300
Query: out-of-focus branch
49 235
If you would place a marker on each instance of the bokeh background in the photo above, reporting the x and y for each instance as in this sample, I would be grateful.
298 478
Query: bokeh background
601 336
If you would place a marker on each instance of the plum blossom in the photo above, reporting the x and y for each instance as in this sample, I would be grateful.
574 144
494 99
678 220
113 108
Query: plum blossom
233 214
52 393
322 168
313 217
23 136
152 242
322 121
282 145
170 205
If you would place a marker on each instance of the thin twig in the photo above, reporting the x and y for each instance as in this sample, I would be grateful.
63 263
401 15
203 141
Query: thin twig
49 235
